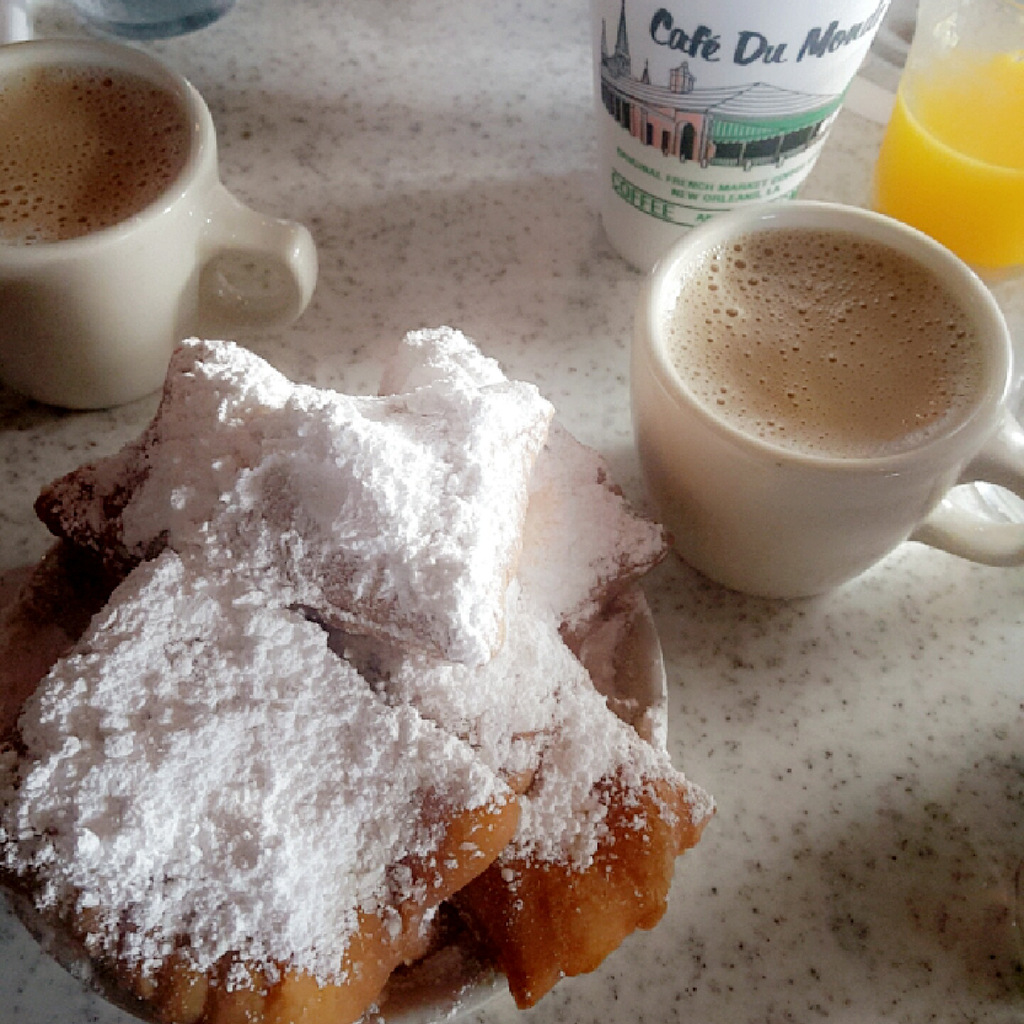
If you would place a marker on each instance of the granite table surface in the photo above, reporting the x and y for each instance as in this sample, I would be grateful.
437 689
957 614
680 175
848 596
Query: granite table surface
866 748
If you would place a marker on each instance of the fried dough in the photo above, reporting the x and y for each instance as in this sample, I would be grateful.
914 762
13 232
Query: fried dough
398 516
202 783
41 623
544 920
582 543
604 813
365 656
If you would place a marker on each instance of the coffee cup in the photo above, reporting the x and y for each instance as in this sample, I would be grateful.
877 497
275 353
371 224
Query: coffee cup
117 237
808 382
704 107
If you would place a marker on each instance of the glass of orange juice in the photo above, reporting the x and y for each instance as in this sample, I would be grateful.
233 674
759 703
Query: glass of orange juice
952 161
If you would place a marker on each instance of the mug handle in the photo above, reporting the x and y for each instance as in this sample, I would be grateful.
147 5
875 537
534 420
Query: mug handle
975 537
257 271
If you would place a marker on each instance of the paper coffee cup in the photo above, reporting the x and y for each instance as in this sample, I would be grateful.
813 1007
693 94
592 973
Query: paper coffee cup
704 106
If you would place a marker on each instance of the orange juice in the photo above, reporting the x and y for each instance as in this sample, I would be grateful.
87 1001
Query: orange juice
952 162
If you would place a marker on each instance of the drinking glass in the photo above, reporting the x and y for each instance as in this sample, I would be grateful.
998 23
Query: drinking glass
151 19
952 161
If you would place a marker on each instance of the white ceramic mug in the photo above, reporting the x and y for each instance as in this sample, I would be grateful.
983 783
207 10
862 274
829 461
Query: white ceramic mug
91 321
776 522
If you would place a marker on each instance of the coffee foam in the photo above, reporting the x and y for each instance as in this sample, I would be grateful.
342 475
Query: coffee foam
83 148
825 343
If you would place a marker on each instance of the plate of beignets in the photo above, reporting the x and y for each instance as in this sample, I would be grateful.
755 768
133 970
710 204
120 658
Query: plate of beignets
328 707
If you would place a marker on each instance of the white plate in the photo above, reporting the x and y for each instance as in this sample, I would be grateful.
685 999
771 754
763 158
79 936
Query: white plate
624 656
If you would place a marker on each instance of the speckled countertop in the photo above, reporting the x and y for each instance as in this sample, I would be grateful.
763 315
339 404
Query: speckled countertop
866 749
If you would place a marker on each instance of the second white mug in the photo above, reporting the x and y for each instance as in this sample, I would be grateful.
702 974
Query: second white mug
90 320
882 446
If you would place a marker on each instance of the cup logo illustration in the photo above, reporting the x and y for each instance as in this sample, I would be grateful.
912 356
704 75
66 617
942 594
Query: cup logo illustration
744 125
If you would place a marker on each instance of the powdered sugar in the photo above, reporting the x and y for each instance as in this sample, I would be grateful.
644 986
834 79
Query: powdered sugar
532 709
203 764
400 516
437 354
581 541
211 425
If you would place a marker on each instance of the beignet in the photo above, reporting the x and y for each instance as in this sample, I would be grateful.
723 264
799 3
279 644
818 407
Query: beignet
206 796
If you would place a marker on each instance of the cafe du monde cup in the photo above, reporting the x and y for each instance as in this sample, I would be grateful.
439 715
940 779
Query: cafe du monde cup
115 228
704 106
808 381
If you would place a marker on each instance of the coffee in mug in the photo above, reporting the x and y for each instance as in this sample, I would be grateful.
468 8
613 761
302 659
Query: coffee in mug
808 382
82 148
825 343
116 233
